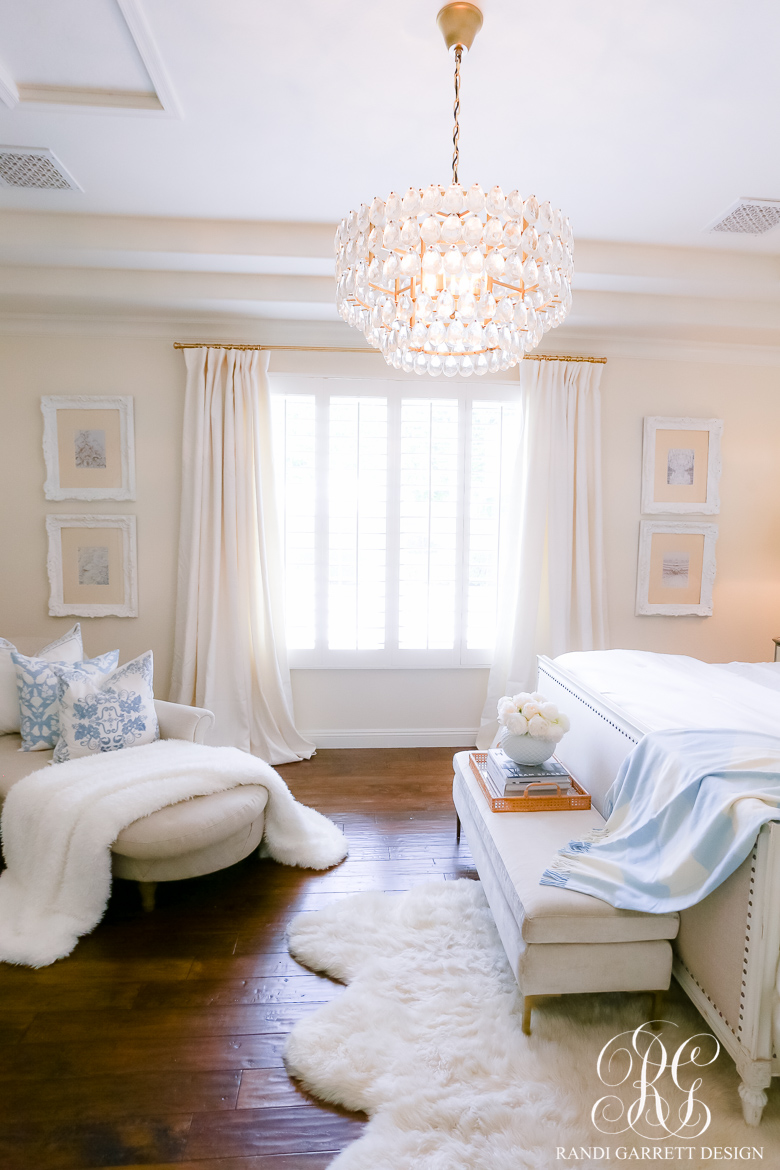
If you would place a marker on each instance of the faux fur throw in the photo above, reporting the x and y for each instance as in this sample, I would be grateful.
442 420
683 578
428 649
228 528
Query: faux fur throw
59 823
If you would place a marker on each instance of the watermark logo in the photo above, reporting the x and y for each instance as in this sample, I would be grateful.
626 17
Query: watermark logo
640 1065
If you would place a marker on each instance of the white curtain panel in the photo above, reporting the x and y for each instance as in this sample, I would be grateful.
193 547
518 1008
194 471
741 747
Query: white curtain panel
230 653
551 577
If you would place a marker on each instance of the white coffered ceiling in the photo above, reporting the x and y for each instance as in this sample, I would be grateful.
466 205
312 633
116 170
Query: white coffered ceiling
643 121
59 42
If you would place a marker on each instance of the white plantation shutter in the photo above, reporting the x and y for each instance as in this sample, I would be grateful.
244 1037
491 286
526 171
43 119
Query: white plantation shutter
430 520
357 523
391 506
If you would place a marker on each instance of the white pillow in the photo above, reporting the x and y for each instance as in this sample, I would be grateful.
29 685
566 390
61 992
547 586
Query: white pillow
68 648
105 716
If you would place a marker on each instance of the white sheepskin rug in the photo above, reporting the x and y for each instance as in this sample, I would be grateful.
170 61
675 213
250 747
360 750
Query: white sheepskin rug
427 1040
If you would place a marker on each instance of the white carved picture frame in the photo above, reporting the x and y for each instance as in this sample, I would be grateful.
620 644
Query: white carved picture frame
701 494
105 473
73 567
684 564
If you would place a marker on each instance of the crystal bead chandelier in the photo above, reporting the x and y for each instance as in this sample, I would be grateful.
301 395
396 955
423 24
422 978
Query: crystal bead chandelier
454 281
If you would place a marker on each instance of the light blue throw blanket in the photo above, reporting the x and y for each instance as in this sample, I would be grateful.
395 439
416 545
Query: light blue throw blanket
682 815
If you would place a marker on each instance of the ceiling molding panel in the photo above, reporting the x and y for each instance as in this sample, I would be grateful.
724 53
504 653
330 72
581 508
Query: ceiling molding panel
136 21
160 99
76 265
9 94
62 96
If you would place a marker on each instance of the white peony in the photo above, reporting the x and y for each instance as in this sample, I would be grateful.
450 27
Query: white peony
532 714
559 727
517 724
538 727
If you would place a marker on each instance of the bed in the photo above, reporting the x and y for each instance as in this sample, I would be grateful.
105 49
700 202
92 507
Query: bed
727 950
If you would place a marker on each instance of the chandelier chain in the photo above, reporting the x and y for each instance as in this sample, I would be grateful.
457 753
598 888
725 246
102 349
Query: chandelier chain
456 114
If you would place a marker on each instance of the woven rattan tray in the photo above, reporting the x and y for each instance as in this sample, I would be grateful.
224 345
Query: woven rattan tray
533 800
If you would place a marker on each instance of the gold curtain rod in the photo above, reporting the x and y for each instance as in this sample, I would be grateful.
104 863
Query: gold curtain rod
529 357
562 357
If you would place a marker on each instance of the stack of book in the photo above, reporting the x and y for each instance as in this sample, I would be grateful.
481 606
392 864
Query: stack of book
506 778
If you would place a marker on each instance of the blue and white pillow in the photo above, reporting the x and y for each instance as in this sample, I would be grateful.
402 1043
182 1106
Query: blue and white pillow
68 648
108 715
38 687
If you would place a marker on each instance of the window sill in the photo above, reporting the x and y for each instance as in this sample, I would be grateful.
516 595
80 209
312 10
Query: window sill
368 660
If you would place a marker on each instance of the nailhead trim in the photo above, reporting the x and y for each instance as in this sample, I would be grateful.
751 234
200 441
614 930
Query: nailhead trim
589 706
709 1000
748 928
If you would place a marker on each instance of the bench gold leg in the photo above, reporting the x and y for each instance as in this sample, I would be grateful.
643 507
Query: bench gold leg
147 891
529 1003
532 1001
656 1010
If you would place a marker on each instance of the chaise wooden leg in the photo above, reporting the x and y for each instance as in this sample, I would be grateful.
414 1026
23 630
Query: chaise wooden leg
147 891
457 829
656 1010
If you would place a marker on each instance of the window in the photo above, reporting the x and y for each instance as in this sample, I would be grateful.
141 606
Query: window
391 508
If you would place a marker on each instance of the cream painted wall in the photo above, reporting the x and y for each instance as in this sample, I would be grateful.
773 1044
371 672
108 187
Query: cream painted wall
445 704
441 703
150 370
746 598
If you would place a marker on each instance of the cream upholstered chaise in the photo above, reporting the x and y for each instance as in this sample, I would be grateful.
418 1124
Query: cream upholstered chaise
184 840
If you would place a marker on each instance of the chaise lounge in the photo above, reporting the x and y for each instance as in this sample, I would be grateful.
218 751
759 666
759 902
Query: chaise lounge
184 840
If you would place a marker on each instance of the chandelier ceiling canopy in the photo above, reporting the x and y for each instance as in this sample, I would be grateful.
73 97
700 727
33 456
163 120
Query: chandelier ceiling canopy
454 280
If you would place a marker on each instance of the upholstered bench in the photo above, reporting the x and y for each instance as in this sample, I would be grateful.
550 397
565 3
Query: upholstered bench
557 941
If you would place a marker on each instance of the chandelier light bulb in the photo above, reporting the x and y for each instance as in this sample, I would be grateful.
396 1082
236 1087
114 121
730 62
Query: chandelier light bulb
454 280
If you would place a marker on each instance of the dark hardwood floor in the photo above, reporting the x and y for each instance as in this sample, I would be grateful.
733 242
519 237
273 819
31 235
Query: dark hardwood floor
158 1042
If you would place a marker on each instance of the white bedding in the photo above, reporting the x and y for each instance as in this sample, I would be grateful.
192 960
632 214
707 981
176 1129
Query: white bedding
659 691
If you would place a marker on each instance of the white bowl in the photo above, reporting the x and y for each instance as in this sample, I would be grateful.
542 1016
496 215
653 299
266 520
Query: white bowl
525 749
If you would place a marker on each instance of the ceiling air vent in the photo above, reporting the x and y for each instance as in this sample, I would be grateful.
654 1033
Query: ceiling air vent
751 216
38 167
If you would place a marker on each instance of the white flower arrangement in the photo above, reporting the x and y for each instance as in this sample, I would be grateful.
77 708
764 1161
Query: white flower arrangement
531 714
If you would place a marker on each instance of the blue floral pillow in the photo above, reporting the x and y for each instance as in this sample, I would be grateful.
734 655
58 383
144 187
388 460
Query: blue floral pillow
107 714
38 687
68 648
